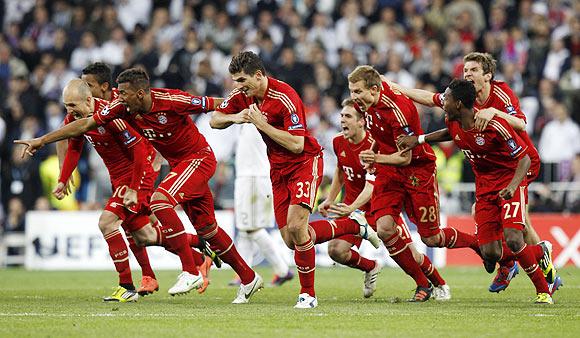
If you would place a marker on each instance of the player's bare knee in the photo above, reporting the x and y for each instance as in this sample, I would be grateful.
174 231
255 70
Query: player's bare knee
514 239
433 241
385 231
108 222
490 253
142 237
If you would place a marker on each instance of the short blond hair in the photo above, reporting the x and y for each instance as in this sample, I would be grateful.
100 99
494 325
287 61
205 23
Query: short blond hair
351 104
486 60
366 73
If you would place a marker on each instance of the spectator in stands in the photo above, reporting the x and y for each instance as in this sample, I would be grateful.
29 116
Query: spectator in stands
559 142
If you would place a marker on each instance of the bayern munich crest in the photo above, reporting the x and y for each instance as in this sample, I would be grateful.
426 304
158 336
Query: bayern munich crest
224 104
101 130
162 118
479 140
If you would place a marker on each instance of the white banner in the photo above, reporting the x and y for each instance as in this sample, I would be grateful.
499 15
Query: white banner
72 241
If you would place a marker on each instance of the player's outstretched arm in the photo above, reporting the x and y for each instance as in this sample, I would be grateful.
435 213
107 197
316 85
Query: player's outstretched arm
407 143
342 209
72 129
483 117
220 120
398 159
521 173
421 96
335 188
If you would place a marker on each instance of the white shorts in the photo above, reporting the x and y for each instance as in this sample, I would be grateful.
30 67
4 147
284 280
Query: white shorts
253 203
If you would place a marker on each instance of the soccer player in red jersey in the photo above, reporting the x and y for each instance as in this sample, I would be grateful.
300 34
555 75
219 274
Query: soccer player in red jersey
162 116
500 161
128 159
402 180
494 98
358 184
98 77
295 161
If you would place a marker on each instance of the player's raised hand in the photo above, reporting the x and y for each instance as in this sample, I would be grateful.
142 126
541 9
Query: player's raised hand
406 143
340 210
32 146
130 198
60 191
368 156
507 193
483 117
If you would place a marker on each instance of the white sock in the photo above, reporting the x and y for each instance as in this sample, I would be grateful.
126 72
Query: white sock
245 246
271 252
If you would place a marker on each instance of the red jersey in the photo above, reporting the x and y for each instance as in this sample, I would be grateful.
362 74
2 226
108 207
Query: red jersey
285 111
394 115
354 174
167 125
501 97
494 154
113 142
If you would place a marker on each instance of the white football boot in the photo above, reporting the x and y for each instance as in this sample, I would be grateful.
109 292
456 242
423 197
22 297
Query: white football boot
245 292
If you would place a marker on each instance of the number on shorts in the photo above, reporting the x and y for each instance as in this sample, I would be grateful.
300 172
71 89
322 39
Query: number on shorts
303 189
120 191
508 207
428 215
169 176
403 232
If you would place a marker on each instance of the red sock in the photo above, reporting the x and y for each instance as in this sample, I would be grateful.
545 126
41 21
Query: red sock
452 238
325 230
193 240
507 259
403 256
431 272
141 256
359 262
537 251
162 241
305 259
120 255
530 264
174 234
222 244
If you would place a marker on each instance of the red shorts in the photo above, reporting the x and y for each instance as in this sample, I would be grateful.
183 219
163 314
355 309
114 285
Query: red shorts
295 184
414 189
137 216
492 216
187 184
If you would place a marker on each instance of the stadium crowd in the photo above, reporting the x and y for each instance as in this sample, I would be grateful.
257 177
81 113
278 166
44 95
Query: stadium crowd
311 45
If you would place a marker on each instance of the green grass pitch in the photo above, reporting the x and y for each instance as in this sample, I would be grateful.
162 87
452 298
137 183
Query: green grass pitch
68 304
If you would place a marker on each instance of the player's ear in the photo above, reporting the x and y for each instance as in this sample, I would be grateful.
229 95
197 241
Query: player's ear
105 86
487 77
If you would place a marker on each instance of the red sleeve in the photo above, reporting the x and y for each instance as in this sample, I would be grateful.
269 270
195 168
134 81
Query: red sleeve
128 136
234 103
185 104
510 102
71 159
439 99
133 141
292 112
109 112
509 141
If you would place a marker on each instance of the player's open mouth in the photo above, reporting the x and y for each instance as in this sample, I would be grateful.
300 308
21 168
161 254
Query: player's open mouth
344 128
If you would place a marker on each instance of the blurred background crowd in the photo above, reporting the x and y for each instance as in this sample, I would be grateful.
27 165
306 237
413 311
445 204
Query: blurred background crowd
312 45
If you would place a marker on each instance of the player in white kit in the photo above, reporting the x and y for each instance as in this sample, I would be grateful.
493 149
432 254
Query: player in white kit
254 204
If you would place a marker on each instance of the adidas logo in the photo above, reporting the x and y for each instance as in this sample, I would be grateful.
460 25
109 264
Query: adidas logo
343 154
457 138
